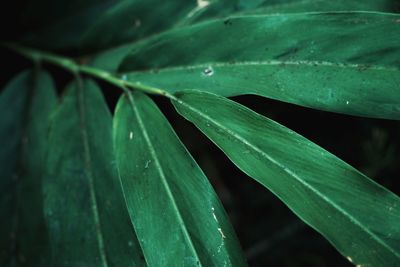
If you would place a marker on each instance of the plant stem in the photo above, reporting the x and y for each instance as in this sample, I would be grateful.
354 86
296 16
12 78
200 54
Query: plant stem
75 68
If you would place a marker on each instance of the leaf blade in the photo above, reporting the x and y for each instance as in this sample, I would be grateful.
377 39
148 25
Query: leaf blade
154 184
270 56
220 9
77 25
32 241
25 104
355 214
82 190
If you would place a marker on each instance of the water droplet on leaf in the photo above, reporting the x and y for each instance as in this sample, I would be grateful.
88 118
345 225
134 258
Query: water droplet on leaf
208 71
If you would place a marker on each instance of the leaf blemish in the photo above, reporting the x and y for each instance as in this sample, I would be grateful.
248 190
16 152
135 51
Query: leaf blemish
222 233
228 22
213 213
147 164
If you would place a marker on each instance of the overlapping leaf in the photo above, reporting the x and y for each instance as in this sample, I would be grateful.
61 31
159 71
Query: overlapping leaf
177 215
223 8
359 217
88 221
342 62
25 106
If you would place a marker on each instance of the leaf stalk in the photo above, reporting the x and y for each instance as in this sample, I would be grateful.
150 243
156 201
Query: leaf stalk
72 66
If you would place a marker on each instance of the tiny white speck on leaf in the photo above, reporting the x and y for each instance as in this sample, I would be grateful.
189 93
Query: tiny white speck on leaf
222 233
147 164
202 3
130 135
208 71
213 213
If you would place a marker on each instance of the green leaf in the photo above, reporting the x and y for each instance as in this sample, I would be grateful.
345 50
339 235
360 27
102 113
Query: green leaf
121 21
295 6
177 216
84 206
326 61
25 106
12 102
32 242
221 8
359 217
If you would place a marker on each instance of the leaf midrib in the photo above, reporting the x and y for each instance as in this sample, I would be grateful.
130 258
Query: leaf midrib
307 63
290 173
163 177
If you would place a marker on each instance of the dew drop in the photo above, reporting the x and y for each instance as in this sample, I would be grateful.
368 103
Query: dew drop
347 102
124 77
208 71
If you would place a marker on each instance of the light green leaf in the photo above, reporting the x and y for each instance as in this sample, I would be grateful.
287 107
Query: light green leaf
359 217
25 106
87 218
341 62
177 215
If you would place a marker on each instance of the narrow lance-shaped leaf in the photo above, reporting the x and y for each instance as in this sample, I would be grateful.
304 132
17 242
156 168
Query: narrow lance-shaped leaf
87 218
177 215
32 238
296 6
359 217
25 106
79 25
223 8
339 61
111 58
12 102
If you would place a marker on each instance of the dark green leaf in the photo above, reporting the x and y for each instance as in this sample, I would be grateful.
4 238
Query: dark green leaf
342 62
88 221
12 103
359 217
25 106
101 24
177 215
32 242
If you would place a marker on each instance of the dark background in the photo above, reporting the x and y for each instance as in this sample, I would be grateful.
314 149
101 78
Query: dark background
270 234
